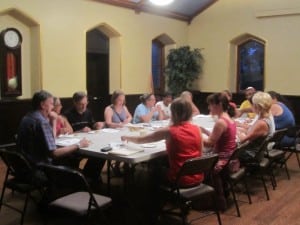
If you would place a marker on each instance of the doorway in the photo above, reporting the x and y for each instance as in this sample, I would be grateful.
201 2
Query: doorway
97 72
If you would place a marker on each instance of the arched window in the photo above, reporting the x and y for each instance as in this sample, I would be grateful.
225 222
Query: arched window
160 48
157 67
250 64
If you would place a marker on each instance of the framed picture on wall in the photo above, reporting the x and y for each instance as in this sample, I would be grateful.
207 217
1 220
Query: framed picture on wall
10 63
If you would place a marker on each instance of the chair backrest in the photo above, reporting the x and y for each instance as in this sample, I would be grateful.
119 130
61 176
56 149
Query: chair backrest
17 164
293 131
277 136
198 165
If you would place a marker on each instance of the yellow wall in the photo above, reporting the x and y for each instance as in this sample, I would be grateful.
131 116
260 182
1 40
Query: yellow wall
63 25
277 22
54 59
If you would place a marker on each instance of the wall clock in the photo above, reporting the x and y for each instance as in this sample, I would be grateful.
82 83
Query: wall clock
10 62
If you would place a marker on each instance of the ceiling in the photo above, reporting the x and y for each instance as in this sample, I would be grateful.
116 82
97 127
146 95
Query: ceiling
184 10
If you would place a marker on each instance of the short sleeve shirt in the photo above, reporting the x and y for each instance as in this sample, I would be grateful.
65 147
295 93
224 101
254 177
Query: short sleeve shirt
142 110
35 137
79 121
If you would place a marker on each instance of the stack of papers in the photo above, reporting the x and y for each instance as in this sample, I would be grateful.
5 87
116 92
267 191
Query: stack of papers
67 142
126 149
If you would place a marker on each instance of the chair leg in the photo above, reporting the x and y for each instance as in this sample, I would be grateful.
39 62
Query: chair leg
287 170
2 196
235 200
24 208
298 159
265 186
247 191
216 208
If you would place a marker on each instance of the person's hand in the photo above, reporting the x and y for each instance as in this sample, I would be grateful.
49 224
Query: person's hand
124 138
53 115
86 129
83 143
99 125
158 108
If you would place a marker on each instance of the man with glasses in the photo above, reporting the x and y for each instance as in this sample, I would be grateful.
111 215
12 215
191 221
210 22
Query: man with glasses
81 118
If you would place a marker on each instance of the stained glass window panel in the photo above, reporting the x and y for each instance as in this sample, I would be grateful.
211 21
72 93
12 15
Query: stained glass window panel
251 56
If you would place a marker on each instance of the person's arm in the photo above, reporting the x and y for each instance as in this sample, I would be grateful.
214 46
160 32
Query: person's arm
146 118
195 109
67 126
53 117
63 151
128 116
259 129
108 114
218 130
155 136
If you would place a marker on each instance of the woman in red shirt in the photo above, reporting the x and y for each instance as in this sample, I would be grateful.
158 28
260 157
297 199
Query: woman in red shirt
183 141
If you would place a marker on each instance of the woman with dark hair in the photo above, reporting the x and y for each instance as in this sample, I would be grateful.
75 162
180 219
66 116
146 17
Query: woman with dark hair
283 117
222 139
146 111
117 114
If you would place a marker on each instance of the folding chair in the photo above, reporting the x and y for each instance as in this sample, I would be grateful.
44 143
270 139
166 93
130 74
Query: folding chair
185 196
20 177
235 177
293 132
258 166
70 192
275 154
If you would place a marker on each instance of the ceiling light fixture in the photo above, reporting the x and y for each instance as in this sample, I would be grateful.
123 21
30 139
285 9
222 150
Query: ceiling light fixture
161 2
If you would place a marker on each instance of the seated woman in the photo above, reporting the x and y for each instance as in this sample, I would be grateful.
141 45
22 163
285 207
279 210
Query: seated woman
183 141
222 139
189 97
146 111
263 126
61 124
232 108
283 117
117 114
165 105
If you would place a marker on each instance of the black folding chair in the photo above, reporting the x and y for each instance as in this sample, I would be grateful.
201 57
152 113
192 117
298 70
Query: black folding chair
258 166
275 154
69 191
20 177
235 177
184 197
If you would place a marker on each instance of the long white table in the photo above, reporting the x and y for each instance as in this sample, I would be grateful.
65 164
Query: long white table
112 137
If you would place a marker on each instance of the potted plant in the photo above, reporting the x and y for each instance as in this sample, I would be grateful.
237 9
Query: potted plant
184 66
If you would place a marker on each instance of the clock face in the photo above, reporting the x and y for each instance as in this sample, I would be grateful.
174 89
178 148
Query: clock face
11 38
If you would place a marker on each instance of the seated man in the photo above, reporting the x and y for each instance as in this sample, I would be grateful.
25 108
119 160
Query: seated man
246 106
165 105
81 118
35 135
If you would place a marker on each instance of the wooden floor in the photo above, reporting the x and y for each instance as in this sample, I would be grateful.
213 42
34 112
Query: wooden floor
282 208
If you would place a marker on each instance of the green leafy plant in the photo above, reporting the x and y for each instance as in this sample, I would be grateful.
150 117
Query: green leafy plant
184 66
